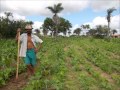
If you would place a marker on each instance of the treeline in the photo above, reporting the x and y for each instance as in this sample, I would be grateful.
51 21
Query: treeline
8 25
54 26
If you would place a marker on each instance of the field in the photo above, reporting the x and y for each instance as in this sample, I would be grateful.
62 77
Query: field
75 63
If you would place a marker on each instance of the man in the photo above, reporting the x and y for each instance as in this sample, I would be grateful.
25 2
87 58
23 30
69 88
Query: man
28 48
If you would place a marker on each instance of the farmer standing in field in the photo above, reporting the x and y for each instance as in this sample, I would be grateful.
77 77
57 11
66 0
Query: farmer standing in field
28 48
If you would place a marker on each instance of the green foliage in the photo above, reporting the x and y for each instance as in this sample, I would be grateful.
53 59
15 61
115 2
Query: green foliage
98 32
9 27
49 25
8 60
77 31
82 61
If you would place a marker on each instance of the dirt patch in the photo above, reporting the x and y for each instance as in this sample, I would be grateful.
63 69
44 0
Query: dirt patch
65 49
14 84
113 55
68 62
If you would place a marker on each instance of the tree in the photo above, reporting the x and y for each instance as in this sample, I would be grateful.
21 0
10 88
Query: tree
87 26
109 11
9 26
64 26
55 10
83 26
30 22
77 31
48 25
99 31
45 31
114 31
8 14
102 30
92 32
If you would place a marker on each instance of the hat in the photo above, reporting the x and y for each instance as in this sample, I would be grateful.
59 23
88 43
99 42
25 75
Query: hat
28 27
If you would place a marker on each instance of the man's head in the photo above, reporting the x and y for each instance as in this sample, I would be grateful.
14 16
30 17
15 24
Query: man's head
28 29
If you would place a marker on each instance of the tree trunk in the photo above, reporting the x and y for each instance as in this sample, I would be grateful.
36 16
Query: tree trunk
108 34
52 34
56 21
56 33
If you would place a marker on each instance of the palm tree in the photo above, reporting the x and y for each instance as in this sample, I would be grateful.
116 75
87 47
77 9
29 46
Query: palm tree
109 11
55 10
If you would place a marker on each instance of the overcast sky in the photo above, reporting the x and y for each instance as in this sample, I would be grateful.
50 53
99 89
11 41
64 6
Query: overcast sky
78 12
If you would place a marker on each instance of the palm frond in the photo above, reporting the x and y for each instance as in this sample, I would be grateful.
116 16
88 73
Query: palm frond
56 8
110 10
51 9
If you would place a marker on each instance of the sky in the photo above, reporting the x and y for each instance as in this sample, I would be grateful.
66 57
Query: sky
78 12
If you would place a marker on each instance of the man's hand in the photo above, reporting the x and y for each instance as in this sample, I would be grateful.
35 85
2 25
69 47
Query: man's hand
18 30
36 50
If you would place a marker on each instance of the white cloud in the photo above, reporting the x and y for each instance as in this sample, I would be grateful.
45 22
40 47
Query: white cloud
18 17
99 5
2 15
74 27
37 25
22 8
115 22
38 7
99 21
15 16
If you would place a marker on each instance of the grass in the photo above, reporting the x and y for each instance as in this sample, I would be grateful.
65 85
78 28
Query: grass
74 63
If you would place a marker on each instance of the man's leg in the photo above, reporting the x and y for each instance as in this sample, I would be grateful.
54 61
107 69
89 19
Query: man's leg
33 61
30 60
31 69
28 65
28 70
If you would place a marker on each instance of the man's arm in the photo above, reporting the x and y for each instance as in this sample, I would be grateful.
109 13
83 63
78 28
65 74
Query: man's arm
39 41
38 48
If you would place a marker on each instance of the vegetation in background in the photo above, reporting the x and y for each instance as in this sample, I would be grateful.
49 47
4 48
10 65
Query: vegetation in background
8 26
